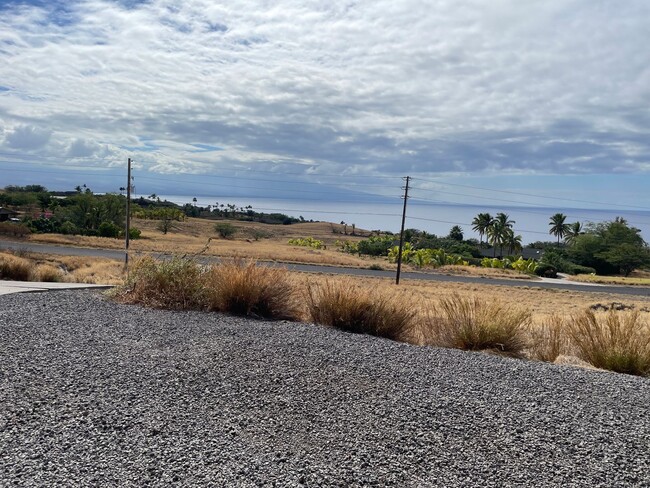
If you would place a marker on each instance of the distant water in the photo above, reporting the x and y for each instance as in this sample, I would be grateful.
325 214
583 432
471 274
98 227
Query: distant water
531 222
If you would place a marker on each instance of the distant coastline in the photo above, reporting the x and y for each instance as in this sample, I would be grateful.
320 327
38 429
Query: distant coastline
438 218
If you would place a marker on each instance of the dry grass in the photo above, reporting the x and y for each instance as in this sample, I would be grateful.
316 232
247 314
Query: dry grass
70 269
615 341
548 340
243 288
635 279
171 284
191 236
349 307
475 324
48 273
484 272
15 268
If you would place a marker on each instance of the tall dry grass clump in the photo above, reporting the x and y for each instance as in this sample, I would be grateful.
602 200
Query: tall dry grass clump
549 340
15 268
349 307
244 288
174 283
616 341
470 323
48 273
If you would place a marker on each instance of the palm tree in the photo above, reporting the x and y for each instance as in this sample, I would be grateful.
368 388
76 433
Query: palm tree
558 226
512 241
481 224
498 231
574 230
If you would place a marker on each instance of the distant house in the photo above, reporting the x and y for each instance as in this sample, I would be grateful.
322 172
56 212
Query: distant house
6 214
526 253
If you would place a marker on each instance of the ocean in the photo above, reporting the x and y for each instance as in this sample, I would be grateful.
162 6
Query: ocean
532 223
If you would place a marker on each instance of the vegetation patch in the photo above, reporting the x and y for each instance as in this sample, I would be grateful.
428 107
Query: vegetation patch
349 307
307 242
243 288
615 341
15 268
469 323
172 284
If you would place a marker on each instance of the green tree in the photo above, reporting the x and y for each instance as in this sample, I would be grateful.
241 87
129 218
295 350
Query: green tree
626 257
499 230
456 233
558 226
573 231
610 247
481 224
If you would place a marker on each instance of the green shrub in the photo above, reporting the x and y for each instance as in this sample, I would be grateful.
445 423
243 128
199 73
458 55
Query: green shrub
546 270
577 269
307 242
353 309
375 246
134 233
225 230
108 229
69 228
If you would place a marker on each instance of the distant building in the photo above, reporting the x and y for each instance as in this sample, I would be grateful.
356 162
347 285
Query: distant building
526 253
6 214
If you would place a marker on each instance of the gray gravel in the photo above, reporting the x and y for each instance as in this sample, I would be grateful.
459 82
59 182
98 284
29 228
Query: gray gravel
98 394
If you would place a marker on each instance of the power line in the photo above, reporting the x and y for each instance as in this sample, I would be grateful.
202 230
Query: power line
531 194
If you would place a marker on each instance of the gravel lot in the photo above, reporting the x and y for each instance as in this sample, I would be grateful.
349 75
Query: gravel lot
98 394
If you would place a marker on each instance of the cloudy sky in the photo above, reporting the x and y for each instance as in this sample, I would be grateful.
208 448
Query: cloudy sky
545 100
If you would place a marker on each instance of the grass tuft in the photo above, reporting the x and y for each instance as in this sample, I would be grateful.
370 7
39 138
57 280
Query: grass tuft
471 324
548 340
243 288
348 307
48 273
173 283
15 268
616 341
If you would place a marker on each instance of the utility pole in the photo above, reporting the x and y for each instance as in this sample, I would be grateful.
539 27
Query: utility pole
401 233
128 216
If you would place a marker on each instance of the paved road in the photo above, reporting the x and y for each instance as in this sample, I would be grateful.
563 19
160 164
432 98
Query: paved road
312 268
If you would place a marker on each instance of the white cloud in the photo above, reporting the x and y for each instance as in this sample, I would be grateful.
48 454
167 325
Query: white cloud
425 86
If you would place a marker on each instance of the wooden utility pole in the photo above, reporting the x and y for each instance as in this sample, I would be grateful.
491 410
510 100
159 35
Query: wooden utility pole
401 232
128 216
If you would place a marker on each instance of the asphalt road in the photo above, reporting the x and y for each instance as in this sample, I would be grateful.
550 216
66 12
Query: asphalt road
312 268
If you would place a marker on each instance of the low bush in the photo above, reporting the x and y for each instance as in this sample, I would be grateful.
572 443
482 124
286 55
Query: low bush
15 268
134 233
577 269
546 270
69 228
616 341
243 288
14 229
225 230
354 309
174 284
473 324
307 242
375 245
108 229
